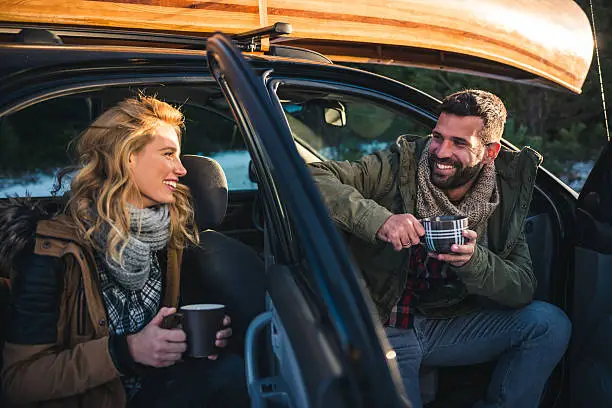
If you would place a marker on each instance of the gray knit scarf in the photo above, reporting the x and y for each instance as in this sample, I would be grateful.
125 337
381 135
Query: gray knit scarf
478 204
149 231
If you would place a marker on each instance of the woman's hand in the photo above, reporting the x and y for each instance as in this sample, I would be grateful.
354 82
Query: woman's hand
223 335
157 347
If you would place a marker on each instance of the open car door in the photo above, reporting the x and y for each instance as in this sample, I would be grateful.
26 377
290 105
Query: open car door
590 353
328 349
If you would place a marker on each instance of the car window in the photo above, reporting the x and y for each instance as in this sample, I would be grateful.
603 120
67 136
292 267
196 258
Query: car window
213 133
344 127
39 140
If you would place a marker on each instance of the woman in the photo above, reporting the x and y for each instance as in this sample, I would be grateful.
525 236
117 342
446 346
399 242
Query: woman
91 290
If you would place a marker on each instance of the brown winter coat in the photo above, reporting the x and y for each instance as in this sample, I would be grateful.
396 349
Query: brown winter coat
77 369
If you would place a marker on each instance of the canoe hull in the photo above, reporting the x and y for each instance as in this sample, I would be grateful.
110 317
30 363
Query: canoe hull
550 39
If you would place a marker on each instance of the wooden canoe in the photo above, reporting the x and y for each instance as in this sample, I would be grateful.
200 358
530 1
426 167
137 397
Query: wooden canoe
518 39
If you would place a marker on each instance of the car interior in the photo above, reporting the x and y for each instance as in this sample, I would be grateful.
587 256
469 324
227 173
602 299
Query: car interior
231 264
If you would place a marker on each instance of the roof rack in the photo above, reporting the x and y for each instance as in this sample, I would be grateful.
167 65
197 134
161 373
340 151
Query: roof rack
250 41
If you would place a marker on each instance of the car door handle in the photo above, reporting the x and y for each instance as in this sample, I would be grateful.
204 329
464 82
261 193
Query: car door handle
250 352
262 390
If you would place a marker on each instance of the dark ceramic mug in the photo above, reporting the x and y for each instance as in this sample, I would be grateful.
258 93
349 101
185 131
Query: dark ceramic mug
443 231
200 322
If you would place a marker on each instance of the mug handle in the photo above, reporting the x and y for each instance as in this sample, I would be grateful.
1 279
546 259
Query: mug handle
172 321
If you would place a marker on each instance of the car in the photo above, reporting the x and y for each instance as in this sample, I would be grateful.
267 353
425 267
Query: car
262 116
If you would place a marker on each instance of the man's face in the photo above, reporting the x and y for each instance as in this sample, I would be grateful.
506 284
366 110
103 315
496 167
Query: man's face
456 152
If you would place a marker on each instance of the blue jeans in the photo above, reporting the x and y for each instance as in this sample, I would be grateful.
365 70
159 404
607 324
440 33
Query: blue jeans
527 344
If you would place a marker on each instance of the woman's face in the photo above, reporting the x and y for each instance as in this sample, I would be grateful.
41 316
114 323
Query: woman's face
157 168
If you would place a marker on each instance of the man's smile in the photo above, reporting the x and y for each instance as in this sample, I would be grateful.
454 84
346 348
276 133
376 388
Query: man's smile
443 167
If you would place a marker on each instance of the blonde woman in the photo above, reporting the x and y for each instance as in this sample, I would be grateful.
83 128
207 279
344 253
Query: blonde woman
90 291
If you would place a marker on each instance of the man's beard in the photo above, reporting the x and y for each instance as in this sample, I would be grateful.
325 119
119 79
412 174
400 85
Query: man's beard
462 174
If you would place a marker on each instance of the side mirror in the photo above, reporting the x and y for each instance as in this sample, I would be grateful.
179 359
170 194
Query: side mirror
320 113
335 113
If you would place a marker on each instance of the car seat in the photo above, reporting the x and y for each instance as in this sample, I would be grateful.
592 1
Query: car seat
220 269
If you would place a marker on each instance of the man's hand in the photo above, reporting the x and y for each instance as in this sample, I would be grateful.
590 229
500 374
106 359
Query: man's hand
401 230
157 347
461 253
223 335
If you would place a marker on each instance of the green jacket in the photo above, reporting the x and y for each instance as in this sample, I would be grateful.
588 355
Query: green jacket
362 195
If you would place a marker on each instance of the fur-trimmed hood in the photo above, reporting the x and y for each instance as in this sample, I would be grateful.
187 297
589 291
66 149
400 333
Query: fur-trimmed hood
18 219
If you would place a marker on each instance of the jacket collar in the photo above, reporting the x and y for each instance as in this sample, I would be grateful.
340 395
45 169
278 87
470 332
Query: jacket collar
18 218
62 229
24 219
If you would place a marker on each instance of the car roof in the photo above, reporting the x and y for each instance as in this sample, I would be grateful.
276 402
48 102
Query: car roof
24 65
537 42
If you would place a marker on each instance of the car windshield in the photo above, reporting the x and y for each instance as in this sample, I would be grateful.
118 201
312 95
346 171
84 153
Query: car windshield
344 127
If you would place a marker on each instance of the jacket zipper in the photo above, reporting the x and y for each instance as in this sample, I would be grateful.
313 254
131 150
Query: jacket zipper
81 309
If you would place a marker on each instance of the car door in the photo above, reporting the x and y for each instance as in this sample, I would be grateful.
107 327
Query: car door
590 352
337 353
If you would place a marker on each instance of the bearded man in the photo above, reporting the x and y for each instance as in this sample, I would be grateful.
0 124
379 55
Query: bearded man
476 303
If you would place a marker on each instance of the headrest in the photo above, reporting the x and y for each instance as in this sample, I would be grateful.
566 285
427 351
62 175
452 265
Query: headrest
208 185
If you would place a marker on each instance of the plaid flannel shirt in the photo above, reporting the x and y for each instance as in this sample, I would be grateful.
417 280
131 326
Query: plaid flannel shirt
425 273
129 311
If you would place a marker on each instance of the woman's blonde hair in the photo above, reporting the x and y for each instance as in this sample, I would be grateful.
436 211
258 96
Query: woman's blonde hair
101 188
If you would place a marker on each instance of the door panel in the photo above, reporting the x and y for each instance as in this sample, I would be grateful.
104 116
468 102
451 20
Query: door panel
306 359
590 353
593 233
592 282
591 294
591 378
539 235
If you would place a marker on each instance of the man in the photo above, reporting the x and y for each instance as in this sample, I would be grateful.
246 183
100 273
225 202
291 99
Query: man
475 304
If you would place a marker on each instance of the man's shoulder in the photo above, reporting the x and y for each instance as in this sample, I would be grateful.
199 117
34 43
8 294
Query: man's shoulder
409 145
512 163
531 155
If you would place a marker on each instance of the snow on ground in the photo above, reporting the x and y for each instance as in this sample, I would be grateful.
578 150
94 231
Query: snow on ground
236 167
39 184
